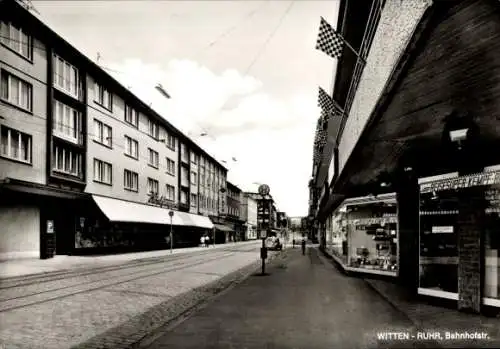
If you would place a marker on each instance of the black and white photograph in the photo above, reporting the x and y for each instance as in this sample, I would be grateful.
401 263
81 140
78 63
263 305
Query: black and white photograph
287 174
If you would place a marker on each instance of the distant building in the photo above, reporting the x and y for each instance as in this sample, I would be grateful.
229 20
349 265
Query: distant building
249 210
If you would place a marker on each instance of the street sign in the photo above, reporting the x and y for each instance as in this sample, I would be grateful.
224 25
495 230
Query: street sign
264 189
263 233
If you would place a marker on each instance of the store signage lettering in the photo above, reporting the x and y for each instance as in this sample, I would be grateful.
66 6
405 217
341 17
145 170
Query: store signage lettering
462 182
442 229
368 221
161 201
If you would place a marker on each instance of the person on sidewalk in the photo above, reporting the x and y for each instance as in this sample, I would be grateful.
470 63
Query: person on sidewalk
207 241
293 243
202 241
303 246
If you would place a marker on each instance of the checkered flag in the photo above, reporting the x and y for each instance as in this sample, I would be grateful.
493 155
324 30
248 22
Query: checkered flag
325 102
329 41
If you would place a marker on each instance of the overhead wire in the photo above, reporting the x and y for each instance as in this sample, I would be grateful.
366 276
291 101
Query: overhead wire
270 36
210 45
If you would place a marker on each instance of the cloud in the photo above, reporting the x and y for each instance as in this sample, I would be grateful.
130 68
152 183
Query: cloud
271 139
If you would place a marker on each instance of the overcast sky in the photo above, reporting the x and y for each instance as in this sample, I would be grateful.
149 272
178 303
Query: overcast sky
252 92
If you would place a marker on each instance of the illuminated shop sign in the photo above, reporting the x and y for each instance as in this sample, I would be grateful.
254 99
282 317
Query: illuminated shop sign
480 179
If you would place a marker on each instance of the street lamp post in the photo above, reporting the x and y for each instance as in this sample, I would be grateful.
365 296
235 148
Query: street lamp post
171 214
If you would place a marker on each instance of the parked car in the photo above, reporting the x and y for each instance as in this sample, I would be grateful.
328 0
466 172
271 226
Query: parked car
274 244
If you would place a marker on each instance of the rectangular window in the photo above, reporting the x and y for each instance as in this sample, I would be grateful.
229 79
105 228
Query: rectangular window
153 186
103 97
491 290
194 158
184 177
16 91
131 180
153 129
193 200
171 141
67 123
66 161
131 147
184 153
15 145
131 116
103 172
170 192
16 39
66 77
153 158
184 197
170 167
103 133
438 242
194 178
373 234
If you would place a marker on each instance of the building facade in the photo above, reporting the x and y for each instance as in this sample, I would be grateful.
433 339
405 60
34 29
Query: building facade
234 214
84 163
249 210
413 190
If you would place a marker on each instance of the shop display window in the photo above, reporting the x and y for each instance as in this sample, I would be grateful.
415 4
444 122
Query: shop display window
438 243
337 242
372 237
439 213
492 246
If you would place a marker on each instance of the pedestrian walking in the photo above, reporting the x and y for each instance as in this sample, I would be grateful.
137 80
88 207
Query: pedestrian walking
202 241
207 241
303 246
293 243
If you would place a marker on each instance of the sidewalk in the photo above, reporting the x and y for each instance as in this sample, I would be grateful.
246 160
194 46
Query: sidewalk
35 266
300 304
433 318
436 318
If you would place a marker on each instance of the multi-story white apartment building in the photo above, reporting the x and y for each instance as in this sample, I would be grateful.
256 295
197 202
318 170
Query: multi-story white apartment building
249 216
83 161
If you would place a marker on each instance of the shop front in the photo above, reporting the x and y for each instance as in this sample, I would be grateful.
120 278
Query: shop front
336 238
112 225
37 221
460 238
364 237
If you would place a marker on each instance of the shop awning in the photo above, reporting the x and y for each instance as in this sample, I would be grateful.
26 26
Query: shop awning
130 212
199 221
222 227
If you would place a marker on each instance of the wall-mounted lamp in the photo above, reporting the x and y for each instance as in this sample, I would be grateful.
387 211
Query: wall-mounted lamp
384 184
458 136
408 169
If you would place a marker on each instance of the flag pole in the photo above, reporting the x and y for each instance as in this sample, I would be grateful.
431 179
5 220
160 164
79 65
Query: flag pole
352 48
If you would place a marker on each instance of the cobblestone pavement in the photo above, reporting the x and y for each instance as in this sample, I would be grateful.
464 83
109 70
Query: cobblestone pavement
78 309
303 303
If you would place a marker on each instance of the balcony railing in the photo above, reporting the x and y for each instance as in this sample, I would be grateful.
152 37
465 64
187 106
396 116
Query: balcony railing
370 29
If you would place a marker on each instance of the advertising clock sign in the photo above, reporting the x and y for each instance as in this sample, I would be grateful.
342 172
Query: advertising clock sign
264 189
